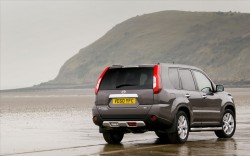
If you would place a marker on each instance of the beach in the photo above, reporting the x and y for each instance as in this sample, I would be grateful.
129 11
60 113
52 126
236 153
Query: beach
59 122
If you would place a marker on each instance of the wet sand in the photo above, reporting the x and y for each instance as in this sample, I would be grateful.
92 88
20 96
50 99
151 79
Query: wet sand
58 122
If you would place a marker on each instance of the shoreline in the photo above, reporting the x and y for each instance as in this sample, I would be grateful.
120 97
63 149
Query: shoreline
81 87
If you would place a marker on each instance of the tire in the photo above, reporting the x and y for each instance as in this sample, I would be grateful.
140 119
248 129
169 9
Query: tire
162 136
228 125
113 137
181 129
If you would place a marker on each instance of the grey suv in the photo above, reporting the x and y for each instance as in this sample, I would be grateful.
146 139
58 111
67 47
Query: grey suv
170 99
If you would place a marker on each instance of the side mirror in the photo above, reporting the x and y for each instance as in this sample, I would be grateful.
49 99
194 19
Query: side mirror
219 88
206 90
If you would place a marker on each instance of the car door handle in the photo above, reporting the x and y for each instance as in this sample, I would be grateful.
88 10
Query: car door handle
204 96
187 95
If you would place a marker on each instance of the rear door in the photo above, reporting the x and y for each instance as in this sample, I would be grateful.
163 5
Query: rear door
127 93
191 94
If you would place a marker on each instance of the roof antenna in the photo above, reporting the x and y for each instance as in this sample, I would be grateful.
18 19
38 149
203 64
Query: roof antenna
173 62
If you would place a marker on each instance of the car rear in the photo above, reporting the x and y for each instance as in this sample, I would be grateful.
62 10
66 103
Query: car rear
125 95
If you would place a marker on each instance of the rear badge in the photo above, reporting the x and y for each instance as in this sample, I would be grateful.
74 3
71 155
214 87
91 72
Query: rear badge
123 91
104 108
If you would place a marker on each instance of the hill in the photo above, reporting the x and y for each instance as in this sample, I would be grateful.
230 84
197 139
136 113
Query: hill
217 42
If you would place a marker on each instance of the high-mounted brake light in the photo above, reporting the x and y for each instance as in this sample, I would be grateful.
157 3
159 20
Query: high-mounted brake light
99 80
156 79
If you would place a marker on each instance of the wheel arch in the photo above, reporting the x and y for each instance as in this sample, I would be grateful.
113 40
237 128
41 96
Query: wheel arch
187 111
231 107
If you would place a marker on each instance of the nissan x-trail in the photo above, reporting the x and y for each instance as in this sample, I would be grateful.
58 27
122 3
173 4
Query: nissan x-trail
169 99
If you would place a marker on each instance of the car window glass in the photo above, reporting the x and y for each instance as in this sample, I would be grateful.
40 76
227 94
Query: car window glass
143 78
202 81
174 77
127 78
187 80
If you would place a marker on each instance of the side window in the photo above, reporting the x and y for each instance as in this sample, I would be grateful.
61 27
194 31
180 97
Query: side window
187 79
174 77
202 81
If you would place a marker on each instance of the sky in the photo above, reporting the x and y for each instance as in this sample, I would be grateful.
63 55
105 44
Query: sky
38 36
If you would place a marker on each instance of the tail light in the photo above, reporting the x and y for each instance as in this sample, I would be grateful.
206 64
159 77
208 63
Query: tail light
94 119
156 80
99 80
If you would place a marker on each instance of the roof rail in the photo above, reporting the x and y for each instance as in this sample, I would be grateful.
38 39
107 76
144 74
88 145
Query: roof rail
117 65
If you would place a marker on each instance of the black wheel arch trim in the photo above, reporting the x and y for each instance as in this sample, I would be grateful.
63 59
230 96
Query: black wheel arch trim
185 106
230 106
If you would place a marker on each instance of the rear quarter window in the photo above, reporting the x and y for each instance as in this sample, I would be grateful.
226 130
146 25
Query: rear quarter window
174 77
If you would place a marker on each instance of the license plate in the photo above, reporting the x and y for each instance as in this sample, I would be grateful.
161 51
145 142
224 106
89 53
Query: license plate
124 101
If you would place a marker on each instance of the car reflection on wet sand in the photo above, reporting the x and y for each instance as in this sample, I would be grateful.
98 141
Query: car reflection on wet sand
204 147
59 122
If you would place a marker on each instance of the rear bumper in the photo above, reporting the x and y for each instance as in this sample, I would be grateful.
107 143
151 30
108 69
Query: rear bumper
123 124
119 117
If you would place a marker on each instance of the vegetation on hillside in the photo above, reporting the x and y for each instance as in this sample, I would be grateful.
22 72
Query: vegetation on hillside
219 43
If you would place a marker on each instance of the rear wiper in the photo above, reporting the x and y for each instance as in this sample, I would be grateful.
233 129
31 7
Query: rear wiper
123 85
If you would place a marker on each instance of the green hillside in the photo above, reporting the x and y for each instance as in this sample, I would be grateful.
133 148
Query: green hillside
219 43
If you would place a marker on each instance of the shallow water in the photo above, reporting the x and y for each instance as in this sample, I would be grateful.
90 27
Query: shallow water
59 122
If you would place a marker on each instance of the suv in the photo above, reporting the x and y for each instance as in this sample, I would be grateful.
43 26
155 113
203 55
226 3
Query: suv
170 99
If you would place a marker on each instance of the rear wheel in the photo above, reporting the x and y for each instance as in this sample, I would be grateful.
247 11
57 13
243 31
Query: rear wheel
162 136
113 137
228 125
181 127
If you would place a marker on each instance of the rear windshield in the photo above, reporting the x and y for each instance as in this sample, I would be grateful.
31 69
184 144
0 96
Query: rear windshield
128 78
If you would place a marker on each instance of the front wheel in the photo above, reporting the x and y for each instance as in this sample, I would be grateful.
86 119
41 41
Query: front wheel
181 127
113 137
228 125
